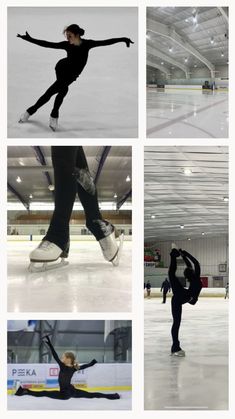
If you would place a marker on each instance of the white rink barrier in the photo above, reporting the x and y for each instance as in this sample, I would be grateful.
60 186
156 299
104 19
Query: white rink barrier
46 376
73 238
205 292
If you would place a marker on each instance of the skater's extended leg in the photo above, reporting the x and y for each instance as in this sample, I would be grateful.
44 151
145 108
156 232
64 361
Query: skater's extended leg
53 89
51 394
77 393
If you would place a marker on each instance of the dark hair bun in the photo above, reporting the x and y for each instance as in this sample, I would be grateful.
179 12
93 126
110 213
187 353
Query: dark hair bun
75 29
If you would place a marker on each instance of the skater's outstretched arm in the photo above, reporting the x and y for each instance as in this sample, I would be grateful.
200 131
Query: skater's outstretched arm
41 43
111 41
197 267
90 364
55 355
185 259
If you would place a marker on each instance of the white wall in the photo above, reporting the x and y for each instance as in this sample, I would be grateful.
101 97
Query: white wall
35 229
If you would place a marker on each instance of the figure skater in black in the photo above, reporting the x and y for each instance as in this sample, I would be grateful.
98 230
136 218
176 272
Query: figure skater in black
71 177
68 367
67 69
182 295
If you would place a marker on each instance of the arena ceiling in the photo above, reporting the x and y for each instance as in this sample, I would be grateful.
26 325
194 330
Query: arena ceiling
30 174
186 192
187 37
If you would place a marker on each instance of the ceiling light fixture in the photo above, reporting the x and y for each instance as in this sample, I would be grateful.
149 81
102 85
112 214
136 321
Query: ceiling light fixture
225 199
153 216
162 63
203 234
115 195
187 171
51 187
182 226
18 179
212 40
186 60
128 179
30 196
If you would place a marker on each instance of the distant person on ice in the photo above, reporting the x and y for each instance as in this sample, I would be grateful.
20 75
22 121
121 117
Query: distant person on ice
148 289
67 69
68 366
182 295
165 288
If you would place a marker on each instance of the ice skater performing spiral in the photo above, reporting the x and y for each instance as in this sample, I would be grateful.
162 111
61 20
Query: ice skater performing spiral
182 295
72 177
67 367
67 69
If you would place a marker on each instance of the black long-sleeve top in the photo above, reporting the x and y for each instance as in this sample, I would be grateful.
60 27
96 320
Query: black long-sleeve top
77 55
66 373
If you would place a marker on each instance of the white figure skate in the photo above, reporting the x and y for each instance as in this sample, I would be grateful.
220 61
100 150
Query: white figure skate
110 248
53 123
46 253
179 353
24 117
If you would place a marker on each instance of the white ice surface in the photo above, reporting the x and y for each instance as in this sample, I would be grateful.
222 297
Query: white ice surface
103 102
87 284
198 381
33 403
187 114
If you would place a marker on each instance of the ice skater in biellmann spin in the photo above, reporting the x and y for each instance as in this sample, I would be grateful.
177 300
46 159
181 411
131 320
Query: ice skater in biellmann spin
68 366
71 177
182 295
67 69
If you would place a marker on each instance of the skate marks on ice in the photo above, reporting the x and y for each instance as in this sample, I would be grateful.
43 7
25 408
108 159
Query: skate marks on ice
187 114
200 380
31 403
87 284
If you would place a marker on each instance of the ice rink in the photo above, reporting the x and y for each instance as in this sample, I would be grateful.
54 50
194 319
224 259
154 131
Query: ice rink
33 403
87 284
187 114
200 380
102 102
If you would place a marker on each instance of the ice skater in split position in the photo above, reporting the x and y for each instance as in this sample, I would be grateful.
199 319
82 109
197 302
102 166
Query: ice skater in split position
71 177
182 295
68 367
67 69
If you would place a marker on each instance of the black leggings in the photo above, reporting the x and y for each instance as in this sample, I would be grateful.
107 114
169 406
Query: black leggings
60 86
64 160
180 297
73 393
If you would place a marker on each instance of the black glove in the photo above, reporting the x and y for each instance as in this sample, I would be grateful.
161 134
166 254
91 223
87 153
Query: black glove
93 362
128 41
175 253
26 37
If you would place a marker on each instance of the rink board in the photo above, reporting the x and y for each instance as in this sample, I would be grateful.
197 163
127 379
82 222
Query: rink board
45 376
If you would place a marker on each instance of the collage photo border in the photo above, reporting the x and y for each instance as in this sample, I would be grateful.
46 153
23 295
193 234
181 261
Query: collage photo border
137 144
